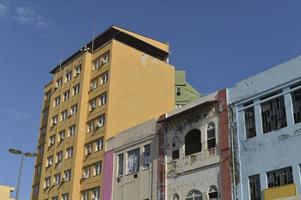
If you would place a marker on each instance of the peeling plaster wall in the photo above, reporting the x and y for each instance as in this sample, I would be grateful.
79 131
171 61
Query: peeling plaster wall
269 151
182 174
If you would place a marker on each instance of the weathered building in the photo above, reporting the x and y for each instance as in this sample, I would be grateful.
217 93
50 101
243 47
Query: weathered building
194 160
266 130
134 153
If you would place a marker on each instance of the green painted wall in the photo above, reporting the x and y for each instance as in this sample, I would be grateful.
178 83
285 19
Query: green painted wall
185 93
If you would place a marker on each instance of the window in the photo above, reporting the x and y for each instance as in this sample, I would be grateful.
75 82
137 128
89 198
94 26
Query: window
250 122
254 184
71 130
95 124
61 135
280 177
194 195
76 89
64 115
96 194
57 179
175 197
85 195
120 165
58 83
66 95
178 91
211 141
47 96
93 84
59 157
175 154
68 76
78 70
65 196
273 114
43 131
86 172
100 121
45 114
98 144
40 150
49 161
38 170
133 161
88 149
103 99
212 193
54 120
104 78
69 152
97 169
35 189
193 142
73 109
55 198
47 182
67 175
296 98
101 60
146 156
92 105
51 140
57 101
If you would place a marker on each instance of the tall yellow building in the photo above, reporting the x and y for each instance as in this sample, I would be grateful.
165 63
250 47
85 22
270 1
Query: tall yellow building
113 83
5 192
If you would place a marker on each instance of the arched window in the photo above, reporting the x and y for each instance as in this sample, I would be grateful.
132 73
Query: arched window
193 142
175 197
194 195
212 193
211 141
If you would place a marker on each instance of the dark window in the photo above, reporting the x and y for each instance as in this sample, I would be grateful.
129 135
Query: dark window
120 165
296 97
133 161
211 142
193 142
250 122
254 184
175 154
273 114
178 91
146 156
213 194
280 177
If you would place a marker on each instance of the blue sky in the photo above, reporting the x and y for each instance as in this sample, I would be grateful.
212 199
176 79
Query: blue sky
217 43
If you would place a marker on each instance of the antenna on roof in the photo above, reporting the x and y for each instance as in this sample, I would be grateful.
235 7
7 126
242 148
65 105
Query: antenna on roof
61 57
93 33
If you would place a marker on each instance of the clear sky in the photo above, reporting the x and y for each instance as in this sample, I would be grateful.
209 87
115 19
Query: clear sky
218 43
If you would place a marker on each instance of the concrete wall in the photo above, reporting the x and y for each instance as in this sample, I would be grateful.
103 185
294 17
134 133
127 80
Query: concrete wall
269 151
142 184
141 88
200 170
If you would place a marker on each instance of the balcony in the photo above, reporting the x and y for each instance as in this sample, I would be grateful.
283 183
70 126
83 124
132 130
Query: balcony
280 192
191 162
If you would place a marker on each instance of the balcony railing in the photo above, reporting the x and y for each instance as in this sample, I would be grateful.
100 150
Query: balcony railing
193 161
280 192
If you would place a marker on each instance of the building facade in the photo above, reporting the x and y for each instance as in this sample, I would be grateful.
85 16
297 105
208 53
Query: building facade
96 93
134 172
194 161
6 192
265 127
185 93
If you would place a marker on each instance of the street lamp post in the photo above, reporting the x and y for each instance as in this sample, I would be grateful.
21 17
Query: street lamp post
29 155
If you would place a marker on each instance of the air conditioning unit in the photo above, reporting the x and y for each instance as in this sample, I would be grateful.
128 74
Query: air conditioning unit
98 125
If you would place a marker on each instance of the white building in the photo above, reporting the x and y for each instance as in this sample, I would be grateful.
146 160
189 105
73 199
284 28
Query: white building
266 128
